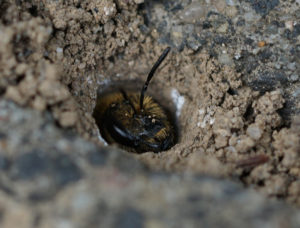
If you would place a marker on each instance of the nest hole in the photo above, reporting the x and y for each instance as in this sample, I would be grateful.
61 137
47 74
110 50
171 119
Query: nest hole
121 121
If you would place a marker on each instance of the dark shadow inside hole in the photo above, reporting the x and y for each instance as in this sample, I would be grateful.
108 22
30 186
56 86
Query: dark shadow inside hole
249 112
111 59
232 91
33 11
2 90
151 131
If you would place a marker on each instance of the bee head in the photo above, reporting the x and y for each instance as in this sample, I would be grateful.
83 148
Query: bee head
146 129
135 120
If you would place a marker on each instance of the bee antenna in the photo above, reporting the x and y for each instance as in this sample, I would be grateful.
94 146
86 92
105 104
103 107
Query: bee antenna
151 73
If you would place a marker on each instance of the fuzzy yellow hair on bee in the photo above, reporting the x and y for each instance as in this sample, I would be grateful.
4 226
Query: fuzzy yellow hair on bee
135 121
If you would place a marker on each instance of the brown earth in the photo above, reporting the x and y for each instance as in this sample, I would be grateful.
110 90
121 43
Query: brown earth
54 56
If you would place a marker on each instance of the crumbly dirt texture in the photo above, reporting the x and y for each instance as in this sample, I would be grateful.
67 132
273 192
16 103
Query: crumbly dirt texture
67 181
240 119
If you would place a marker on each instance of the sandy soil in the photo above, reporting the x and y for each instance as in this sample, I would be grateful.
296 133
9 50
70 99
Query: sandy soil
56 56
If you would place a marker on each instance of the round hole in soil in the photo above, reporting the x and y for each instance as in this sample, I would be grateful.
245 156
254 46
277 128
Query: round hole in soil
134 126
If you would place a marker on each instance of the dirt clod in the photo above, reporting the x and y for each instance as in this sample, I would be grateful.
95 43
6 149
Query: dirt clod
239 116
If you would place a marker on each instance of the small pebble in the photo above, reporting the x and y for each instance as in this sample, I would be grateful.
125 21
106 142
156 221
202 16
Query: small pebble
59 50
294 77
225 59
254 132
223 28
291 66
261 43
231 2
289 25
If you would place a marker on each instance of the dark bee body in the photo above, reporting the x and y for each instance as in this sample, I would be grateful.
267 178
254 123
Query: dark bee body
135 121
144 130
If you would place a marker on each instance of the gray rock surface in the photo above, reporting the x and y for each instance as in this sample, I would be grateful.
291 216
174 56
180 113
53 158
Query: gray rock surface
52 178
259 38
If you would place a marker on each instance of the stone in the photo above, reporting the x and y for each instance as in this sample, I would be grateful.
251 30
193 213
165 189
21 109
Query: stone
83 185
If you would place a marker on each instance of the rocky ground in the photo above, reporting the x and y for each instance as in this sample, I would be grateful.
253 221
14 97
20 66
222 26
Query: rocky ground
235 64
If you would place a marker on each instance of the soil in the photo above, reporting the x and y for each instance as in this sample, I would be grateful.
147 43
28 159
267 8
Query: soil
240 117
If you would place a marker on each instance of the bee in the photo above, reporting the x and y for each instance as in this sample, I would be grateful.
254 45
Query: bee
135 121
